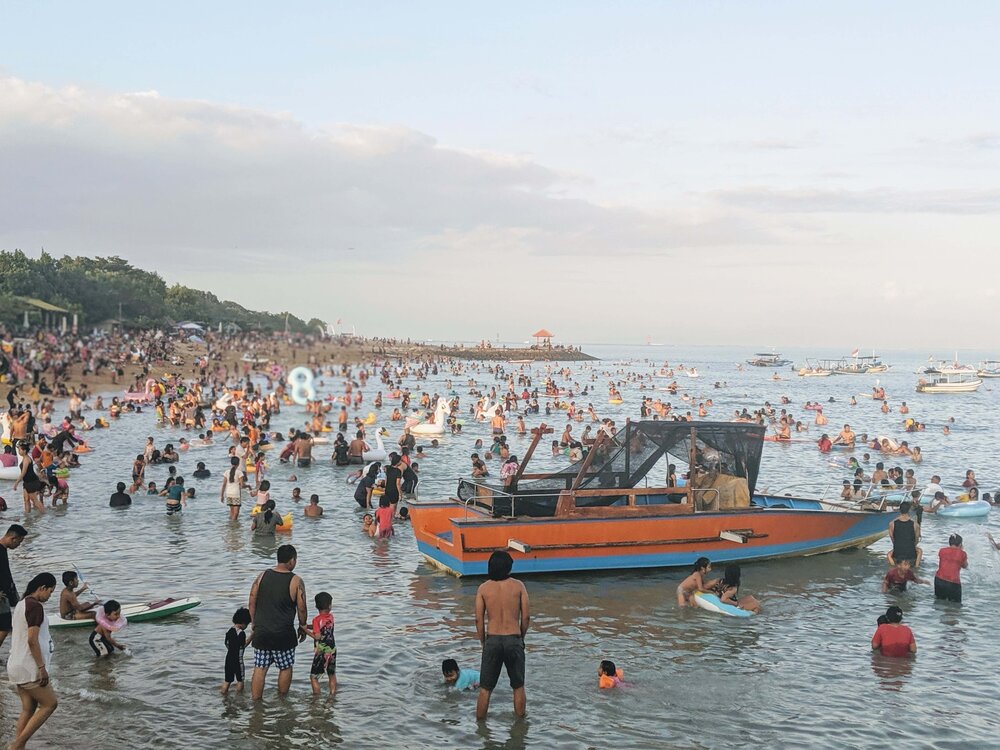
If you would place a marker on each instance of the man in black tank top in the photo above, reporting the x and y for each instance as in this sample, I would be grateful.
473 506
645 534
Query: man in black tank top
277 596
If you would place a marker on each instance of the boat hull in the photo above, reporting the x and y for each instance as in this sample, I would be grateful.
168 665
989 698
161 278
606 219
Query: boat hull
461 542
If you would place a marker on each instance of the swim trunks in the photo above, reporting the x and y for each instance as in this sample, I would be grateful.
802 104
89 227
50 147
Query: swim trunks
263 658
947 590
502 651
324 662
101 645
171 509
303 462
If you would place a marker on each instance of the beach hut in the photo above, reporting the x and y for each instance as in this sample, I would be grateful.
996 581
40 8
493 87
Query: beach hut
543 339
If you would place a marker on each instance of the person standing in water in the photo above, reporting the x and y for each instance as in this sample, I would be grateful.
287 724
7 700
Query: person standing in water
28 663
232 488
502 619
8 591
276 597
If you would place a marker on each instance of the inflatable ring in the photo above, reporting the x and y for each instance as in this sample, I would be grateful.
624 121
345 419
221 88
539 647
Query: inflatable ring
82 448
616 400
286 520
712 603
370 419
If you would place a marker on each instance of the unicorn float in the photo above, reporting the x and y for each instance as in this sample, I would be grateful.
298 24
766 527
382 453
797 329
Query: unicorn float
436 425
484 409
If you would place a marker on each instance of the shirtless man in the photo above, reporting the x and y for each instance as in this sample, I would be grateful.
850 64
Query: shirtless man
303 449
846 436
314 509
502 619
356 450
70 608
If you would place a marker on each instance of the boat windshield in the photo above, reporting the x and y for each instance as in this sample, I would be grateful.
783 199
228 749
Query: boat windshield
623 461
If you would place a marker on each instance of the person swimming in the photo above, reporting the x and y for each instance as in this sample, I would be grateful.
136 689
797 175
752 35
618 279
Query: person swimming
609 676
694 583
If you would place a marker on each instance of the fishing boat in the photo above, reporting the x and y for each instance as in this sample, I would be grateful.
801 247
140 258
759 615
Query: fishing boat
818 368
602 512
765 359
989 368
949 380
861 364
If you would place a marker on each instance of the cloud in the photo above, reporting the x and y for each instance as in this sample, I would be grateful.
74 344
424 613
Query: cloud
874 201
162 179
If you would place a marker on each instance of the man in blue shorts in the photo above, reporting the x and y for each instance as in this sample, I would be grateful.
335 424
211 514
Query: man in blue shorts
277 596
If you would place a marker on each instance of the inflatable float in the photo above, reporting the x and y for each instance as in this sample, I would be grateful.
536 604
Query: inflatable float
436 427
971 509
9 473
712 603
378 453
616 401
134 612
286 520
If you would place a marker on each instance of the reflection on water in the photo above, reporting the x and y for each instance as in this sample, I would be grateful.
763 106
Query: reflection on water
799 674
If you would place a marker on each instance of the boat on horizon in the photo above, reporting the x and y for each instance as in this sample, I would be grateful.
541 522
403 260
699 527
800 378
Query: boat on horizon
768 359
818 368
601 513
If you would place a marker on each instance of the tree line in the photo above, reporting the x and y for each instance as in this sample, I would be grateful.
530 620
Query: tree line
95 287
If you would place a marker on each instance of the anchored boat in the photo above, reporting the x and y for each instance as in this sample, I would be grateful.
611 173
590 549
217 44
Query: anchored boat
765 359
949 380
601 513
861 365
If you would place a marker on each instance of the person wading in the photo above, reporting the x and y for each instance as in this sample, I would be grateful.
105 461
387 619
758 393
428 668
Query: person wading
501 622
275 598
8 591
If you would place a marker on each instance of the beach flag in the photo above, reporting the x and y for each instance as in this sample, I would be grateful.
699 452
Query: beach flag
856 352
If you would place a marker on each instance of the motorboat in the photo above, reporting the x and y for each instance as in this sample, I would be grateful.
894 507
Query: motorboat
989 368
949 380
861 365
603 513
765 359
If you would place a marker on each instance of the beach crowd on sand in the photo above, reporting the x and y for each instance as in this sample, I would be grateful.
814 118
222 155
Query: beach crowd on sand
231 389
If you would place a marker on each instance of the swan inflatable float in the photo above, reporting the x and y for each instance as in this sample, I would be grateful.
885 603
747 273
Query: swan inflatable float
436 427
5 423
485 410
378 453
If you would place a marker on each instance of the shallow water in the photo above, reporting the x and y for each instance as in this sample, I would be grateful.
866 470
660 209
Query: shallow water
799 675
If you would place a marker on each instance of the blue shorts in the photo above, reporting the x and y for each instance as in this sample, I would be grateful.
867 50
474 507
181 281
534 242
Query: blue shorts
262 658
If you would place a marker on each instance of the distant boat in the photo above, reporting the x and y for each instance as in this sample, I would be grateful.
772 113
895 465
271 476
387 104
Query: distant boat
989 368
650 342
768 359
949 380
821 368
861 365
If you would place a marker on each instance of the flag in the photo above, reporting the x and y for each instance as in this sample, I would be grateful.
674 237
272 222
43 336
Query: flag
856 352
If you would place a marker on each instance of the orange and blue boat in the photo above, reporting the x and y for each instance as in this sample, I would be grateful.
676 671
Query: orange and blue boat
602 513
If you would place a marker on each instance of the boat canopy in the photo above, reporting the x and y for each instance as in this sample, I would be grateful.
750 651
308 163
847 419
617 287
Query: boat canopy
623 461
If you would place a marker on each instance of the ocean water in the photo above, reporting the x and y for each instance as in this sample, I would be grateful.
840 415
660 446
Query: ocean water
798 675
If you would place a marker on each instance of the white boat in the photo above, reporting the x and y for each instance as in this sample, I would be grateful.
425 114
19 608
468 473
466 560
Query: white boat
822 368
768 359
989 368
949 380
861 365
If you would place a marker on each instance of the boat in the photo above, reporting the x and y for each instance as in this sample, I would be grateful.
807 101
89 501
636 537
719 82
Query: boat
989 368
600 514
135 612
765 359
818 368
949 380
861 365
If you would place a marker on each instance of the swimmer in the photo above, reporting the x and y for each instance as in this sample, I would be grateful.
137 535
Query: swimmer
608 675
368 524
727 588
694 582
461 679
897 577
892 638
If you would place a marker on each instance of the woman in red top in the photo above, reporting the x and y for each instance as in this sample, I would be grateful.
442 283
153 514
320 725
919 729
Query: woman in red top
892 637
951 560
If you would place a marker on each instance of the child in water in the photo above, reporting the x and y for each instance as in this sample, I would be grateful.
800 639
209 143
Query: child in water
897 577
325 651
236 642
109 620
694 582
383 518
728 588
609 676
462 679
368 524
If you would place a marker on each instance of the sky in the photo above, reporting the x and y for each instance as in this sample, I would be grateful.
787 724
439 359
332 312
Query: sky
767 174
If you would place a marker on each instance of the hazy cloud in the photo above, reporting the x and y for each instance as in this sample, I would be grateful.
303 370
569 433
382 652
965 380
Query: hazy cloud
877 200
93 172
